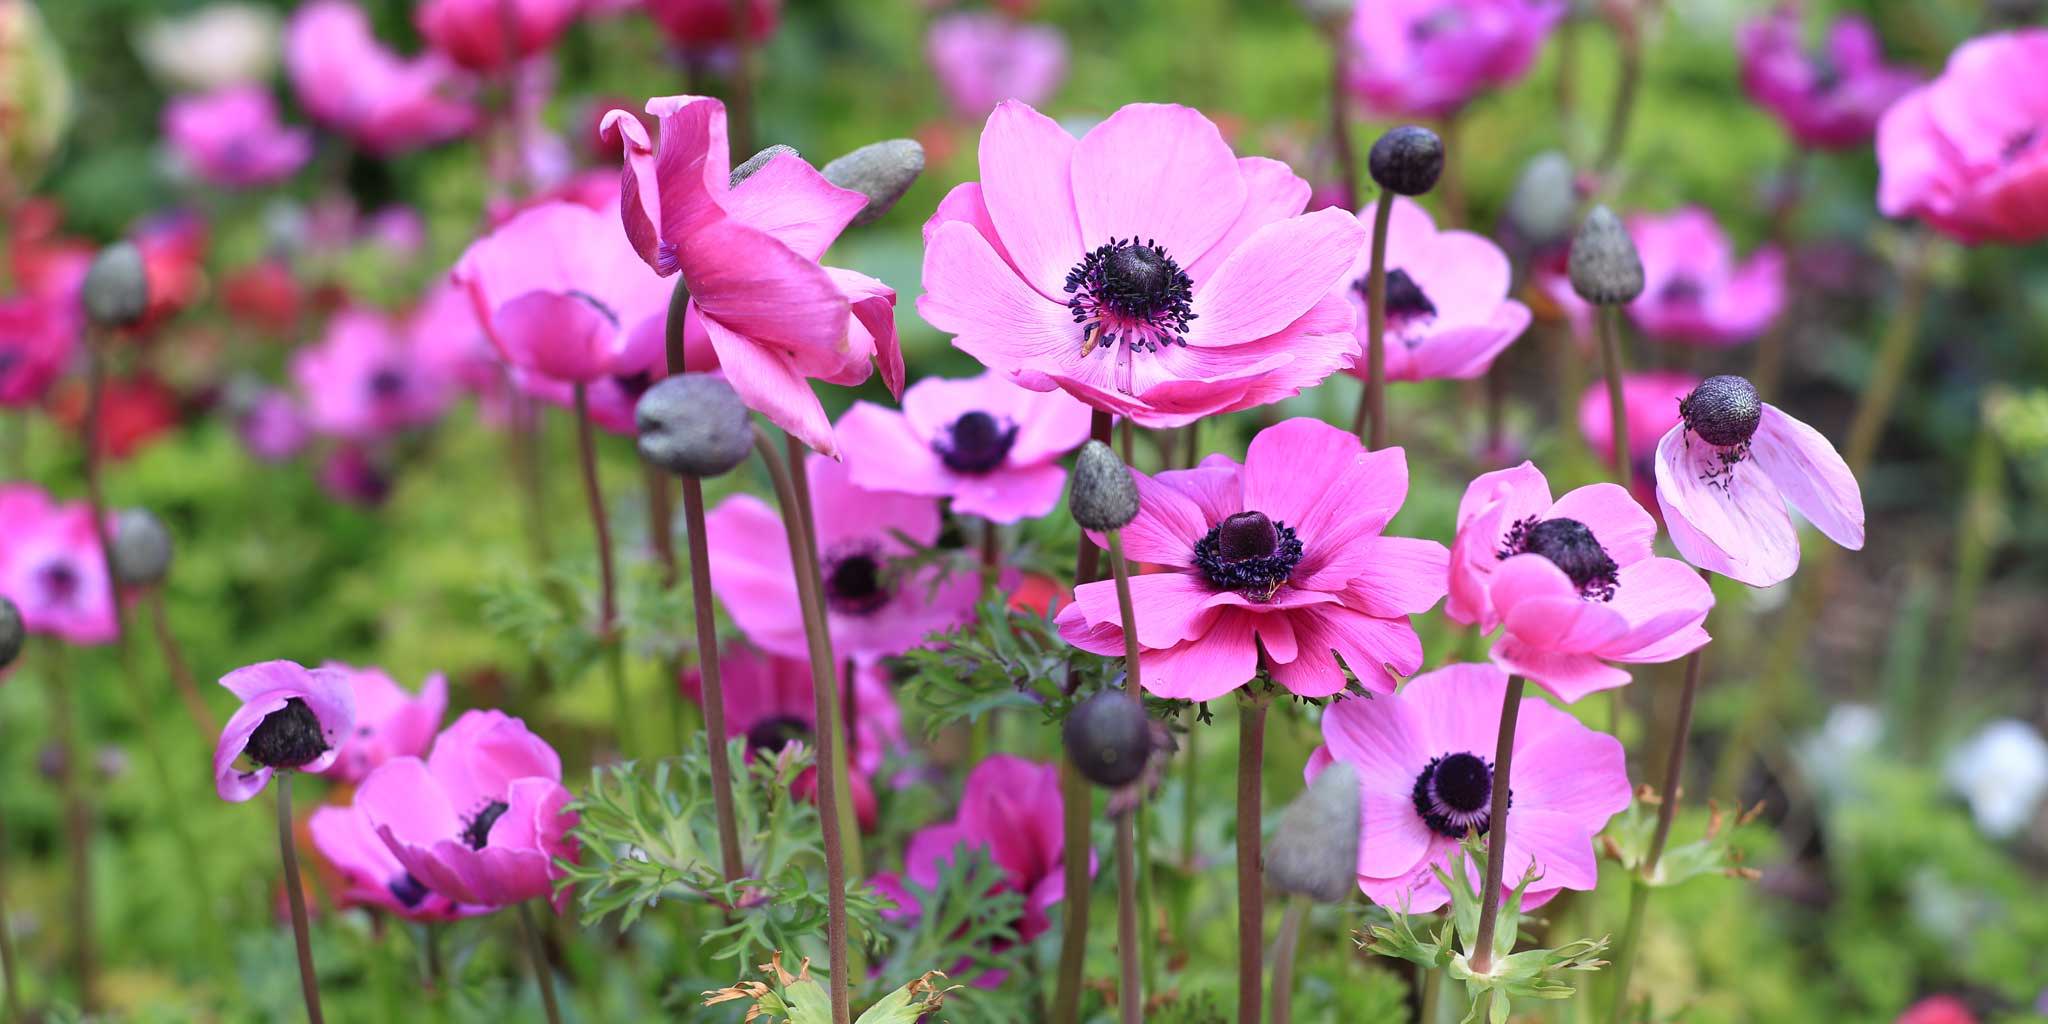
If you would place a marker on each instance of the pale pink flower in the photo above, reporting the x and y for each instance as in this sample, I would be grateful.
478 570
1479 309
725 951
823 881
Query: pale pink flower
1448 310
1650 401
983 59
232 137
1967 153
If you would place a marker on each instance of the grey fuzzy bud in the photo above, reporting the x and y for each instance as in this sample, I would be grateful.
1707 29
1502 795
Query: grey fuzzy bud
116 286
693 424
1723 410
881 171
142 548
1544 199
1605 268
1102 495
1314 850
1407 160
758 161
13 633
1108 738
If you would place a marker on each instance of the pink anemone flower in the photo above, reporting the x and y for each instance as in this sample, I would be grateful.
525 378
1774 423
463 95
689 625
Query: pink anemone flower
749 253
984 442
703 23
981 60
1276 564
371 874
232 137
1143 268
873 611
1967 153
473 32
1694 291
1428 58
292 718
1574 582
1726 472
363 381
51 567
1650 401
390 721
37 337
383 102
481 821
1830 99
1448 310
272 426
1424 758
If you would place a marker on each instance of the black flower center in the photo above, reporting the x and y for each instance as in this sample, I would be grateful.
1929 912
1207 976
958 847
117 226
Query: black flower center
60 582
386 383
853 582
1406 301
976 443
772 734
1454 795
407 890
1248 553
478 831
635 384
1130 292
1723 411
288 737
1682 289
1570 546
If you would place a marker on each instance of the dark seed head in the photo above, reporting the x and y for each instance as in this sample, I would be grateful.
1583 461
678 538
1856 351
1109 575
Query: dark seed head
977 443
1570 546
1724 410
1138 271
881 171
142 548
1247 535
288 737
1405 298
1101 495
1463 782
1249 553
1108 738
1314 849
13 634
1407 160
1604 265
693 424
478 831
116 287
854 584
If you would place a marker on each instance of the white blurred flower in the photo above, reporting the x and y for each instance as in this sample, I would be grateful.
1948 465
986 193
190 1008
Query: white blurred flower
2003 772
219 45
1830 757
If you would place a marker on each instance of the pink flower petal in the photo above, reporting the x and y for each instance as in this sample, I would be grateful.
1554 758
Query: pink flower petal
791 201
1157 172
770 385
1273 192
1565 675
969 292
1279 274
1026 182
1725 519
1811 475
1225 658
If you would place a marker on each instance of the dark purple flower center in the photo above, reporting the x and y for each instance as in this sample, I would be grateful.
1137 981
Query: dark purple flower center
1723 411
1570 546
8 360
60 582
976 443
1248 553
478 831
1406 301
386 383
2020 143
1454 795
407 890
853 582
1130 292
1681 290
770 735
633 385
1827 76
288 737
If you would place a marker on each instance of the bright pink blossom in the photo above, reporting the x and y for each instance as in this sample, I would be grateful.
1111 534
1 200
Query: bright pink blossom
1830 99
1276 564
1967 152
352 84
983 59
700 23
51 567
272 426
1448 310
292 718
1574 582
1694 291
991 446
1941 1009
1428 58
1650 401
1163 289
371 873
233 138
363 381
1424 759
391 721
37 336
473 32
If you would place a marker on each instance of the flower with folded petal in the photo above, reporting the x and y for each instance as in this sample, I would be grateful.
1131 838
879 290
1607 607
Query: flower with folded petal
1276 565
1424 758
371 873
473 32
51 568
362 381
352 84
292 718
390 721
1694 291
232 137
1726 473
1448 310
1428 58
1967 153
1144 268
1650 400
1830 99
1574 582
984 59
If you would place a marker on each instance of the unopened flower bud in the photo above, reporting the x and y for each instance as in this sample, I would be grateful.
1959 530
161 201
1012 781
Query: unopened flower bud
13 633
1407 160
881 171
1314 851
1605 268
693 424
1724 410
1102 495
1108 738
142 548
1544 199
758 161
116 286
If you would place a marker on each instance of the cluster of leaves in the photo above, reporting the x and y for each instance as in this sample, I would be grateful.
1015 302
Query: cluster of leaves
1628 837
799 999
1004 658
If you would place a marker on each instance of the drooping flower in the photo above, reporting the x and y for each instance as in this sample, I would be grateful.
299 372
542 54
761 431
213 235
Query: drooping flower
1574 582
233 138
292 718
1424 758
1694 291
988 444
1830 99
701 23
750 252
390 720
1448 310
1650 400
481 821
2002 770
51 567
1428 58
873 611
37 337
983 59
362 381
371 873
1726 473
1276 564
1160 289
382 102
474 33
1966 153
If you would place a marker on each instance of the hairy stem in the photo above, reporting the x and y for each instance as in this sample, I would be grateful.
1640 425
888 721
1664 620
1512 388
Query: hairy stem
1284 946
10 986
713 690
1497 829
543 972
295 894
1251 882
1371 422
95 492
174 661
78 828
1617 403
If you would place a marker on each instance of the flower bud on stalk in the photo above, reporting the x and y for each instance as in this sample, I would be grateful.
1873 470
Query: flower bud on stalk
142 548
693 424
1407 160
1544 199
1108 738
881 171
1605 268
1102 495
1314 850
116 288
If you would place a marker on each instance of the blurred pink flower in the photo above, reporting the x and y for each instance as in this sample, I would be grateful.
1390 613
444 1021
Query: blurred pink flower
362 381
272 426
232 137
371 873
1448 310
51 567
1276 564
1693 289
354 475
700 23
1967 153
1428 58
390 721
1160 289
292 719
1574 581
37 338
991 446
1650 400
983 59
349 82
473 32
1424 758
1830 99
1941 1009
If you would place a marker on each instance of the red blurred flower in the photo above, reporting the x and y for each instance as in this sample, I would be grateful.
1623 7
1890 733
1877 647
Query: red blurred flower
134 411
173 256
264 295
706 22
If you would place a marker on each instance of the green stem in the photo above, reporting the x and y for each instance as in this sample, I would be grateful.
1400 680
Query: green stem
174 662
1284 946
1625 953
295 894
95 492
1251 896
1132 999
78 828
1371 422
10 986
713 690
849 824
543 973
1617 404
1621 114
1497 830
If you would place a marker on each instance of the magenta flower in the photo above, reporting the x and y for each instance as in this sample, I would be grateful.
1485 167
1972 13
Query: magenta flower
473 33
1966 153
51 567
232 137
272 426
1694 291
390 721
704 23
1651 402
775 317
1276 564
1160 289
873 611
1428 58
481 821
981 60
1573 581
1424 759
37 337
988 444
1448 310
1726 473
349 82
1827 100
355 475
292 718
371 873
363 381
